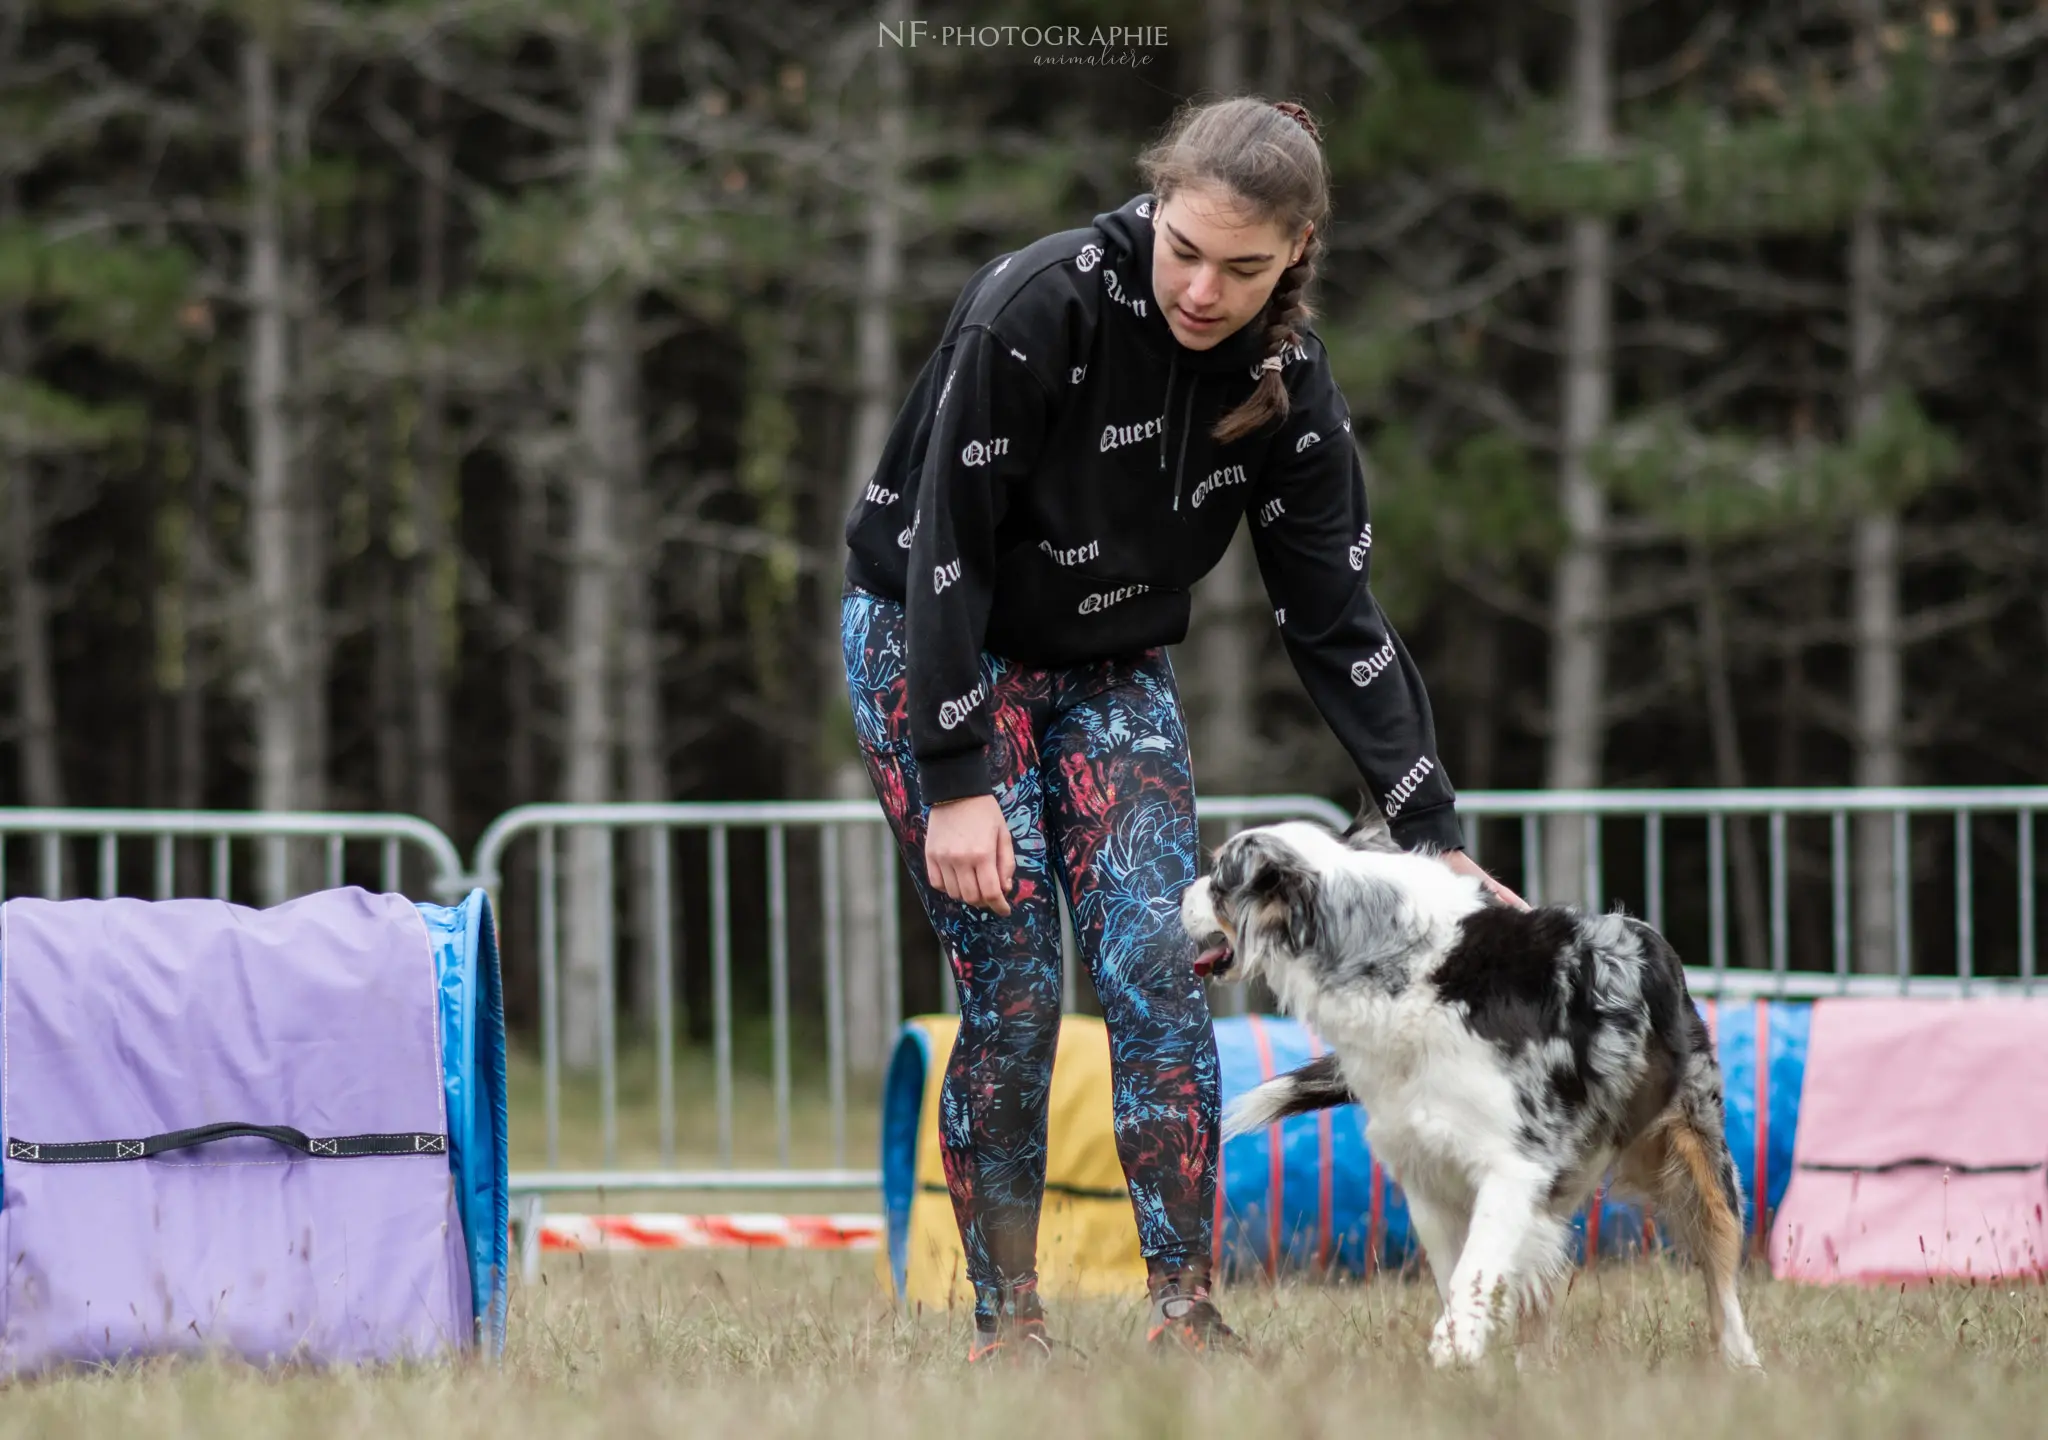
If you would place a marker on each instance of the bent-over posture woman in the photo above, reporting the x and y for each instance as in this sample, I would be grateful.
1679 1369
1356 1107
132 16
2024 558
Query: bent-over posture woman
1104 407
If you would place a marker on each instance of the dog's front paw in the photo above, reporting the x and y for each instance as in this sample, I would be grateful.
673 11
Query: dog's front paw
1453 1345
1442 1353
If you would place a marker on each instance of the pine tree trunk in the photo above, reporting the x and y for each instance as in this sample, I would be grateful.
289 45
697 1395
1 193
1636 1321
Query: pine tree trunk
865 849
2041 400
387 632
1223 54
606 421
429 599
1279 47
521 680
521 670
2040 239
1879 698
310 335
277 663
641 730
1226 645
190 711
1727 744
1578 664
1481 651
1226 662
41 773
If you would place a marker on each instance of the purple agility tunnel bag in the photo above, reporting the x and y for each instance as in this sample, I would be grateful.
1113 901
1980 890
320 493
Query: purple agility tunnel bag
275 1133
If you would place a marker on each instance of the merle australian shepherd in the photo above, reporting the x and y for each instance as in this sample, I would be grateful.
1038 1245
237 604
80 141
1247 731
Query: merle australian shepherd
1506 1060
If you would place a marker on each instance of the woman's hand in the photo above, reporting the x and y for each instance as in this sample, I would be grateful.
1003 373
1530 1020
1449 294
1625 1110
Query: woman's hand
967 852
1464 864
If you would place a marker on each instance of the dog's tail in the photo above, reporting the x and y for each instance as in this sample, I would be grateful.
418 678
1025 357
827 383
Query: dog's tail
1317 1085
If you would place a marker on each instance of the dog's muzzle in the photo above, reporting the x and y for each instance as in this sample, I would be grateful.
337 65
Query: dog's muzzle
1213 958
1216 959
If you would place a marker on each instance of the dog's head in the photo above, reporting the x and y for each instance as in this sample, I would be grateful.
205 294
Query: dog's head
1298 903
1264 891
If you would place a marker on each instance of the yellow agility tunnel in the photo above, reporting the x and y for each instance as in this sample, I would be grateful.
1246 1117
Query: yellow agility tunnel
1087 1238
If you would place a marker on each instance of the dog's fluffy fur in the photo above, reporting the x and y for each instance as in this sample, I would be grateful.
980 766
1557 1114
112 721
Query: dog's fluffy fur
1506 1059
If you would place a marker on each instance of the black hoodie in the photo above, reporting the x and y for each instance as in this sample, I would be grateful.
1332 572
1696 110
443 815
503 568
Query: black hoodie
1050 491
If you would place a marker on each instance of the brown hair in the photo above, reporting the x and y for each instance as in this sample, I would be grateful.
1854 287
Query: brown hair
1269 155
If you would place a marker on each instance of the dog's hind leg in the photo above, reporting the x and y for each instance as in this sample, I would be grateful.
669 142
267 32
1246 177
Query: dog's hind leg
1684 1166
1489 1277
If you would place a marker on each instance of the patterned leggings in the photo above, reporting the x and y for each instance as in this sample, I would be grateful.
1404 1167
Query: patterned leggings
1090 765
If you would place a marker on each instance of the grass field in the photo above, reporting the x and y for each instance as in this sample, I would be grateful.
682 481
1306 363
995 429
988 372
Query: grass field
797 1345
769 1345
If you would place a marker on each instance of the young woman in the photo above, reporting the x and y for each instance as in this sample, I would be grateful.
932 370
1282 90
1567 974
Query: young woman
1103 408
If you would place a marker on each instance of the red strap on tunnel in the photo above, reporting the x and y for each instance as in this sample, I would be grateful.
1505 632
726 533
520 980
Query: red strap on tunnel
1276 1160
1760 1202
1326 1163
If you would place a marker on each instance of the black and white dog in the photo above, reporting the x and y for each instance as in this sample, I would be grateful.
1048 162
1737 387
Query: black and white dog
1506 1059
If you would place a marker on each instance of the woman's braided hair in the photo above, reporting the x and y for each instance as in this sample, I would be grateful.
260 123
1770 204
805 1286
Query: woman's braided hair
1269 155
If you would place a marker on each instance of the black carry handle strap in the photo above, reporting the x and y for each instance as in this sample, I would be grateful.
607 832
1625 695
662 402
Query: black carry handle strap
1920 1162
341 1147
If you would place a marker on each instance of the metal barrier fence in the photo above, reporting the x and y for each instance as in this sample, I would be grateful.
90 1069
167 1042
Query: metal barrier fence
1886 857
835 829
193 852
1663 854
829 826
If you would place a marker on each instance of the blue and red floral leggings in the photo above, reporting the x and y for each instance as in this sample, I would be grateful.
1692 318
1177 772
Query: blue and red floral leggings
1090 765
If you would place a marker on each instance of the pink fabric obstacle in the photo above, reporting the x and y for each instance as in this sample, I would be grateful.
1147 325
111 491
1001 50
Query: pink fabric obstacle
1922 1139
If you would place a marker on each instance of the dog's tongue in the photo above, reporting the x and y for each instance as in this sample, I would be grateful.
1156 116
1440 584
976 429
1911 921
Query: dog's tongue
1206 961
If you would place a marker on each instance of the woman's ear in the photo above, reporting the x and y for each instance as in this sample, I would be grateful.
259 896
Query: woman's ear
1301 249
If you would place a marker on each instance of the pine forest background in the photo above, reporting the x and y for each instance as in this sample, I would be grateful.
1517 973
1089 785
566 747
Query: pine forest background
437 405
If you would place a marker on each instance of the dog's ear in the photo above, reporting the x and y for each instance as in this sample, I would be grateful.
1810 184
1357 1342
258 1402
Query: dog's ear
1254 868
1369 830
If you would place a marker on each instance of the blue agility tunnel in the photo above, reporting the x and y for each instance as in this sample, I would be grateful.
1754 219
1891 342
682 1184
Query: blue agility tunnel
1306 1195
470 991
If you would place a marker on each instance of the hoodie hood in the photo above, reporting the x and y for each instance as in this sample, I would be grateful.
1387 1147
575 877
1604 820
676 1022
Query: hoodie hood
1128 232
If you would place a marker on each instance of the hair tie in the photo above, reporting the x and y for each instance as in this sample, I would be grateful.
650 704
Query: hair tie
1271 362
1300 116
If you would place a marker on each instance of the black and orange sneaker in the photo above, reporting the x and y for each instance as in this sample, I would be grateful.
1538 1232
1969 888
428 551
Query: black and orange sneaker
1184 1321
1015 1334
1012 1342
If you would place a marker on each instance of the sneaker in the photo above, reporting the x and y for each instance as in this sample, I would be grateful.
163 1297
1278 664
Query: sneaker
1015 1335
1184 1321
1016 1342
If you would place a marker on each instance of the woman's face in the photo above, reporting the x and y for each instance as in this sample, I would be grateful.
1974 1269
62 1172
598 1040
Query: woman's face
1214 265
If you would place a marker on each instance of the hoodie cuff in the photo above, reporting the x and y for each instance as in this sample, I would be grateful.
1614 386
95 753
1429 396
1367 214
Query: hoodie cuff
954 777
1437 826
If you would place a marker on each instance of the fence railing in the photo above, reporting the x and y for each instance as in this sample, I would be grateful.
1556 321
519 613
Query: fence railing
826 834
170 854
1842 880
1774 892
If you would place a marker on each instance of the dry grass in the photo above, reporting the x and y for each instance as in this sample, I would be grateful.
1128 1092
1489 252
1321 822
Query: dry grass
802 1345
773 1345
